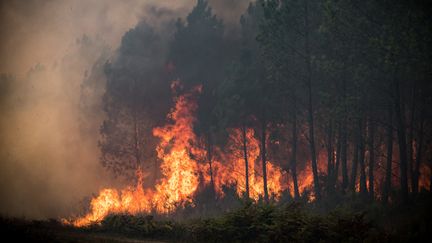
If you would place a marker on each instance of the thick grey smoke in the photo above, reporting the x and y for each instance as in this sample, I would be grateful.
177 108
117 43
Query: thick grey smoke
48 162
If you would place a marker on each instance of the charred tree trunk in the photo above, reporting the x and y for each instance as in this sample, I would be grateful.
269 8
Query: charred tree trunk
343 156
136 131
310 109
210 158
400 121
430 179
245 154
329 155
263 157
410 152
363 188
294 150
371 159
387 183
415 184
343 143
137 149
338 157
355 160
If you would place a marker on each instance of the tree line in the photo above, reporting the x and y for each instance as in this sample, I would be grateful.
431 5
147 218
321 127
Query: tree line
347 79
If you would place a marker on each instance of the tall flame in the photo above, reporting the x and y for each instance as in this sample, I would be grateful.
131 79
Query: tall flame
180 172
180 179
184 163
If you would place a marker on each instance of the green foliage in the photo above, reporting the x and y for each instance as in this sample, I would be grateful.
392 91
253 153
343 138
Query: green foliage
140 226
351 221
289 223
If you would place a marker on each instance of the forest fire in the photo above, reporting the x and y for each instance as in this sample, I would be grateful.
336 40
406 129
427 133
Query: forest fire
185 169
180 179
216 120
182 164
234 172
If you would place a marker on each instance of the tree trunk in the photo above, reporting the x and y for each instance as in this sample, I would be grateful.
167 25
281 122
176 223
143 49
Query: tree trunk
263 157
329 156
355 160
137 149
310 110
245 154
210 158
411 138
363 188
136 131
430 178
343 156
387 183
343 143
400 121
371 159
416 176
294 150
136 135
338 157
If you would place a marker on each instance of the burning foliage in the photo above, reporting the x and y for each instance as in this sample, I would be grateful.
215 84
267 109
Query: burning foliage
184 169
286 105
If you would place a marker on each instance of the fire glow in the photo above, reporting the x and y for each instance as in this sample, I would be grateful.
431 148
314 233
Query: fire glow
180 153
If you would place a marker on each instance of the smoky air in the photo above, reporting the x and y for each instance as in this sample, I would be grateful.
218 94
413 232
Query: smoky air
208 120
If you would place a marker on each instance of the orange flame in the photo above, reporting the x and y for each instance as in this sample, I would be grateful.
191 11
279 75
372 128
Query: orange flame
180 179
234 171
424 177
131 200
180 153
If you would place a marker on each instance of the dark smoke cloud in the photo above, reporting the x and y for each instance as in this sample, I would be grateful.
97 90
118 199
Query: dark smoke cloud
48 162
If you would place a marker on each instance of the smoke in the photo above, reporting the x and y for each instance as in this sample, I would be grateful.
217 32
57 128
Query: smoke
230 10
49 158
